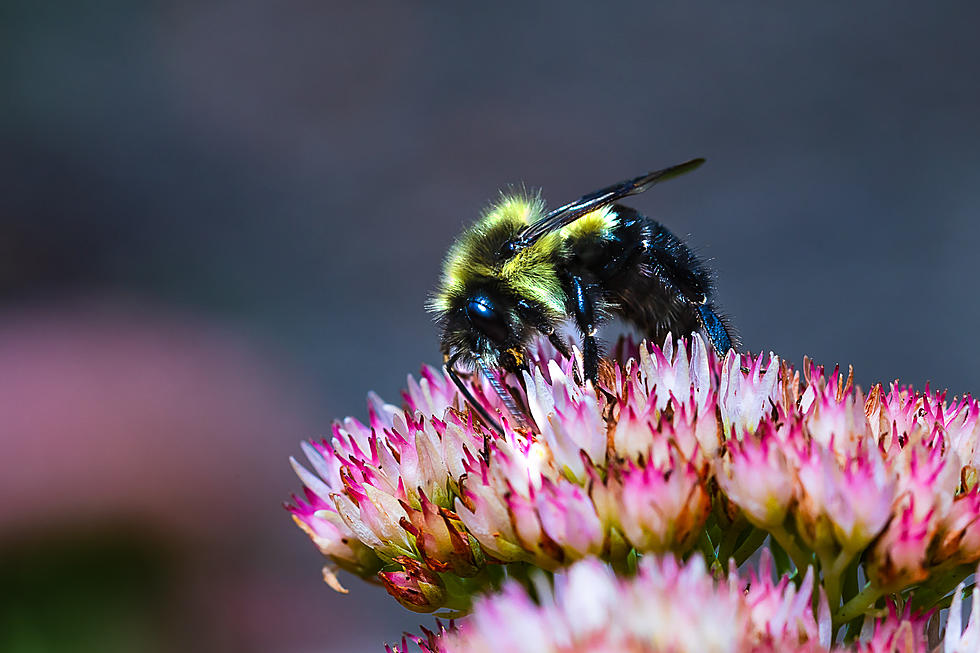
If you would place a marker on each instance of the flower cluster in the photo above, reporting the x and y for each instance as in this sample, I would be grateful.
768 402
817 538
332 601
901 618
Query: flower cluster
675 452
668 606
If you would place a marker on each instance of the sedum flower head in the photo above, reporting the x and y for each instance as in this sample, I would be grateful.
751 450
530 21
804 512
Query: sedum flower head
666 606
680 607
858 497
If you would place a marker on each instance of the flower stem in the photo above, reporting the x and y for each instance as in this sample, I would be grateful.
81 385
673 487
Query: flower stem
831 585
795 553
728 542
943 579
833 573
851 579
858 605
749 546
622 555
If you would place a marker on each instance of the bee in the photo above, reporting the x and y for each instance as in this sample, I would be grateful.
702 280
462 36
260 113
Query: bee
521 271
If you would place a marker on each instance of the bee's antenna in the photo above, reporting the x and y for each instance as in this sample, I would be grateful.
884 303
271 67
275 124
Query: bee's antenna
503 394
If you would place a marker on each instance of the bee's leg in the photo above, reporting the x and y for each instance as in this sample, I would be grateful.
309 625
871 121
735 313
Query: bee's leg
584 311
545 326
475 405
696 297
559 344
563 349
590 356
715 328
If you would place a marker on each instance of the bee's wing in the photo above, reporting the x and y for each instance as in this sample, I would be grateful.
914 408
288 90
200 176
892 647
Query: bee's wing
565 215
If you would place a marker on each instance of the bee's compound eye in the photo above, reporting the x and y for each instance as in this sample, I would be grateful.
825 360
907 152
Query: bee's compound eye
483 316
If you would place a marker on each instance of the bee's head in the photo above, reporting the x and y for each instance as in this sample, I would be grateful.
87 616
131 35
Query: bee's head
487 318
491 299
492 327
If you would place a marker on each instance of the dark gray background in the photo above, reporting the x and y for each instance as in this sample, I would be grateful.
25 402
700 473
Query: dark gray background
294 171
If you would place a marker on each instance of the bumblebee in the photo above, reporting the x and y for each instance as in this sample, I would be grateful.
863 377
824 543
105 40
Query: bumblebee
521 271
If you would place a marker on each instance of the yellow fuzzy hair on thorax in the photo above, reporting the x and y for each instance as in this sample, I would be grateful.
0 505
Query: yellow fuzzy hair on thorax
474 257
598 224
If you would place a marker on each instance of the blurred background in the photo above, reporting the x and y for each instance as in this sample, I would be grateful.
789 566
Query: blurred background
219 221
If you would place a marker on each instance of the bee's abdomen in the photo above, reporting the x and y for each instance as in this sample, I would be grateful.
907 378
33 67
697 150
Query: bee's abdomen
647 275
